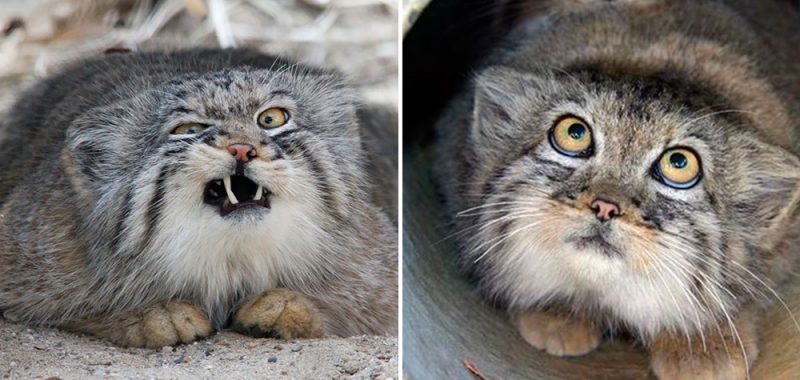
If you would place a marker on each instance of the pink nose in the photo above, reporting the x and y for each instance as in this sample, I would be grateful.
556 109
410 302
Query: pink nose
604 209
242 152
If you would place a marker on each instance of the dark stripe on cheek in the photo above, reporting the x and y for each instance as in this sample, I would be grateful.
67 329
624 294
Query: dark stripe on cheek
665 210
153 214
550 163
123 216
296 148
209 139
277 148
701 245
285 133
287 146
176 151
322 180
492 183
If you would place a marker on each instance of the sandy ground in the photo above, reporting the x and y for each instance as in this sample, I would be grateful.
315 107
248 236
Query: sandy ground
42 353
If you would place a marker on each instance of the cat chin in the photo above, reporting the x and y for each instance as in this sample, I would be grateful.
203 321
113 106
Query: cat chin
630 291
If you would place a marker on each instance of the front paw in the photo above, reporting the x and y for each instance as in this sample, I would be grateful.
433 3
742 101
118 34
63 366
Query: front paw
558 335
279 313
162 324
699 366
723 356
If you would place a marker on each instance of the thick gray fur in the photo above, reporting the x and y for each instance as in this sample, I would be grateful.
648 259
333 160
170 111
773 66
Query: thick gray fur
719 75
89 177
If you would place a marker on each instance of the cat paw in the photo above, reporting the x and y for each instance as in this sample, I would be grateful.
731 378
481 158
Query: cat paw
698 366
163 324
279 313
558 335
721 356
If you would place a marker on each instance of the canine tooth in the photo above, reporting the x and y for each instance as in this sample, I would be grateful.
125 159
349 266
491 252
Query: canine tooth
258 193
231 197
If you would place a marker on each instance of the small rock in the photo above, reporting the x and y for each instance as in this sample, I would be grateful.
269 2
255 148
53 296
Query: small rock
181 359
209 351
272 360
297 348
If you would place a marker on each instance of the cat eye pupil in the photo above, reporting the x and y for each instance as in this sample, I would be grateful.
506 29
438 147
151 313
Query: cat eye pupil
678 160
576 131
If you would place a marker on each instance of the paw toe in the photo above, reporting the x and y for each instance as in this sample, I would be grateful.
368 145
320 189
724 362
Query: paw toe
559 336
279 313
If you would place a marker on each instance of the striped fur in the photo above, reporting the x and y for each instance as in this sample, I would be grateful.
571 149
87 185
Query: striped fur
102 209
645 76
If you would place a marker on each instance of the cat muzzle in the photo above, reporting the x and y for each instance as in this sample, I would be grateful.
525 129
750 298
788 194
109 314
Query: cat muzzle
234 193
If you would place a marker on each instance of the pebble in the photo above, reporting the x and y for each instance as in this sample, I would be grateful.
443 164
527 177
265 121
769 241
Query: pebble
297 348
272 360
181 359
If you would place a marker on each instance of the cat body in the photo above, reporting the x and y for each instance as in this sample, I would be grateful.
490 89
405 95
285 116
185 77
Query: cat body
133 150
577 242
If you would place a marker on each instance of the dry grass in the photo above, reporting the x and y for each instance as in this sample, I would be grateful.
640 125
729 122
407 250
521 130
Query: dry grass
358 37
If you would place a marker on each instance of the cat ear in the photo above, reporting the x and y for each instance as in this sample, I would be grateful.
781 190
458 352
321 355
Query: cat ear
503 99
501 95
768 194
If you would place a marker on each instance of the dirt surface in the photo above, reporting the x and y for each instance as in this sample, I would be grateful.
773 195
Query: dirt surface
42 353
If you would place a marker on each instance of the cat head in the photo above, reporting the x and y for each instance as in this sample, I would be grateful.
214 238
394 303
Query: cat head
234 162
638 197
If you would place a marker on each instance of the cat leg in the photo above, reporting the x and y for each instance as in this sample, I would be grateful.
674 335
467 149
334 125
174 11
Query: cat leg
728 353
557 334
279 313
155 326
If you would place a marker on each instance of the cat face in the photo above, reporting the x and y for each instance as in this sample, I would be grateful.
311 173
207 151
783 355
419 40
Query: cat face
242 171
629 198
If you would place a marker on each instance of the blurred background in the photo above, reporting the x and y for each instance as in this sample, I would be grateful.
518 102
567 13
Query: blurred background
357 37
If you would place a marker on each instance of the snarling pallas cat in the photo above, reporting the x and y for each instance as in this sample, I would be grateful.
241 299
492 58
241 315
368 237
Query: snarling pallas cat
152 198
632 165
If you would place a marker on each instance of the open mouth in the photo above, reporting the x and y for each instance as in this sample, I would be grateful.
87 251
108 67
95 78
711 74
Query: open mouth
234 193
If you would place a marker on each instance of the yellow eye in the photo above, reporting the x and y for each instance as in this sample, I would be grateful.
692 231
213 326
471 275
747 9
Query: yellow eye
572 137
189 129
678 168
273 117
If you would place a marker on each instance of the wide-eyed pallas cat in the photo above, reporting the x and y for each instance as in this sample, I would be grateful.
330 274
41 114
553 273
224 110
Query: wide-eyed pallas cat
632 165
152 198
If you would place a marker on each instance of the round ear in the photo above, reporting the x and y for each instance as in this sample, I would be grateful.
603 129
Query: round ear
768 191
503 101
